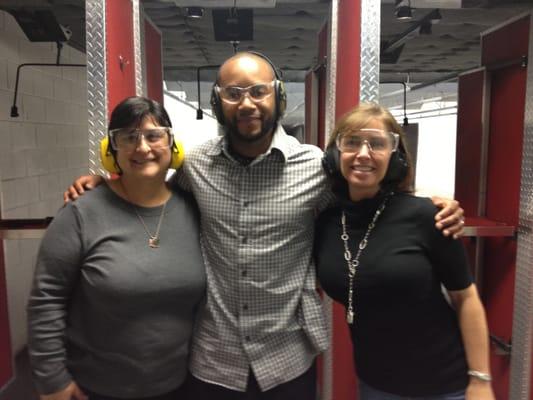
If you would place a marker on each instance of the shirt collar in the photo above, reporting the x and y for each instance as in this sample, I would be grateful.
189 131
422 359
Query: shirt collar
280 142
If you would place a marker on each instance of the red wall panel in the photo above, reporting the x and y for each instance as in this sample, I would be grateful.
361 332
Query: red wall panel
322 92
468 144
507 43
348 56
309 117
154 66
119 36
347 97
6 369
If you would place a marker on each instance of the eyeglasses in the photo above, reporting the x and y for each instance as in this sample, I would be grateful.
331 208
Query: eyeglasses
377 141
257 93
126 139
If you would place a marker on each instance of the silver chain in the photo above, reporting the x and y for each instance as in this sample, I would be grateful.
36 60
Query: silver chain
153 240
353 263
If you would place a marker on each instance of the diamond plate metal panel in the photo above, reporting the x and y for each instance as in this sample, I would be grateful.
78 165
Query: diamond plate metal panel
331 85
523 301
143 17
137 50
370 33
96 80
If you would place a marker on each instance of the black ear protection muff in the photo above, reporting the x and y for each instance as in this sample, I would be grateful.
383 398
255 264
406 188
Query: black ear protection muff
279 92
396 171
331 162
107 155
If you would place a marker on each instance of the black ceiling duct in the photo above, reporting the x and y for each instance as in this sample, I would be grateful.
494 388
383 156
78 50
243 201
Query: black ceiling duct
40 25
232 24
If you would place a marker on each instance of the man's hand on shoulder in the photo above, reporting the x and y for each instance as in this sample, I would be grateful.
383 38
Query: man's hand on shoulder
80 185
450 218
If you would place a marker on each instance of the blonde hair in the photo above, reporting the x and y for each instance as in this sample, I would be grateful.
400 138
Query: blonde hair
359 117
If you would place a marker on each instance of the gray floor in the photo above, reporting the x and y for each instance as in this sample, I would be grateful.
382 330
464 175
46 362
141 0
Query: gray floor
21 387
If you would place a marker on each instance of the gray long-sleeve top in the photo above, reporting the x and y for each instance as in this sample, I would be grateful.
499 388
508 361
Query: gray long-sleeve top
108 311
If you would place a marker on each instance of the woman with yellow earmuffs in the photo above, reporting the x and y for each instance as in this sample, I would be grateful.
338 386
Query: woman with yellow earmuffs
119 274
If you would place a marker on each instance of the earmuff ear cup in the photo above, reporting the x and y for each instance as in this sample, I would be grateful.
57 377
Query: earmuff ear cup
397 169
178 154
331 162
332 168
281 99
107 158
216 105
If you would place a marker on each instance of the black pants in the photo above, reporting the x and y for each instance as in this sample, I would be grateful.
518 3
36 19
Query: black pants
300 388
178 394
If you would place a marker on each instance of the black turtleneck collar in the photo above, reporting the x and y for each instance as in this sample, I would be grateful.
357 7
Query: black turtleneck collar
362 209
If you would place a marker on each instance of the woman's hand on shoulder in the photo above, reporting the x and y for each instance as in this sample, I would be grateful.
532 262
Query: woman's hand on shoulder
479 390
71 392
82 183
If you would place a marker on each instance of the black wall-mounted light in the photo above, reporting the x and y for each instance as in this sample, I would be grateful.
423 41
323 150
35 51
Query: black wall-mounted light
195 12
425 28
39 25
403 10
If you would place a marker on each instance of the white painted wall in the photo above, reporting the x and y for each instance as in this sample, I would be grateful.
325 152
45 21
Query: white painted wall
435 169
41 152
191 131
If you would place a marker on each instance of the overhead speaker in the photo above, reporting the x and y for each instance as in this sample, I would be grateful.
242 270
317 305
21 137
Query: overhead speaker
233 25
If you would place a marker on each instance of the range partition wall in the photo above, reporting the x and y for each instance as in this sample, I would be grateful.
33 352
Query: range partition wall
495 185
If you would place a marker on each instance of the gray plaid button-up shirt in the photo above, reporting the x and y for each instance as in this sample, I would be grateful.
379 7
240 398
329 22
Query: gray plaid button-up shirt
257 226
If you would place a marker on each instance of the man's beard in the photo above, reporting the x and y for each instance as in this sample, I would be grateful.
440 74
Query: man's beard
232 131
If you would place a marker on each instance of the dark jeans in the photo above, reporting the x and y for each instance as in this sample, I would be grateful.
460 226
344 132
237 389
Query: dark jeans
368 393
178 394
300 388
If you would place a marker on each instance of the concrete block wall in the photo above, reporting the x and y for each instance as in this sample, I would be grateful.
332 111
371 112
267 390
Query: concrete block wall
41 151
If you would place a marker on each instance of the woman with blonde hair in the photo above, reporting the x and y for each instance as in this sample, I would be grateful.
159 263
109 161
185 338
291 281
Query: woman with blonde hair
379 254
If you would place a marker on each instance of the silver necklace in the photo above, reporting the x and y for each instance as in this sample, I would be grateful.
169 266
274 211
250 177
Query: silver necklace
353 263
153 240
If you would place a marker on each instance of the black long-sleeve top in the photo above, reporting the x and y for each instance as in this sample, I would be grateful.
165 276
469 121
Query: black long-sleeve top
406 336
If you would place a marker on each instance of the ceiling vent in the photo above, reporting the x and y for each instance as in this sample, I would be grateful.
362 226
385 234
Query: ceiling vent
233 25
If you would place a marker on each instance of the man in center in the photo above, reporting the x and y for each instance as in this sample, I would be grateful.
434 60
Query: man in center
258 191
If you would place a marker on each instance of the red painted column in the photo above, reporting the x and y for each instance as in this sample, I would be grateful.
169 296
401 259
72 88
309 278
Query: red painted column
469 137
120 56
154 66
322 81
347 96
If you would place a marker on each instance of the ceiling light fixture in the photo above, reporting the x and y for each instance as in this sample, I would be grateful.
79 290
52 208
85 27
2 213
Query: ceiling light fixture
195 12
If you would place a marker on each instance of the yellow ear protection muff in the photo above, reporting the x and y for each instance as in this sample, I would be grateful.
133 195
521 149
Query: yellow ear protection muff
107 155
279 92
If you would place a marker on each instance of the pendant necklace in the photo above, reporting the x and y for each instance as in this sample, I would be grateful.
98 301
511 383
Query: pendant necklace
153 240
353 263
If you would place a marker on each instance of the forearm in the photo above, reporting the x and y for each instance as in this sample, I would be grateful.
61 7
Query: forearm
46 346
474 332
